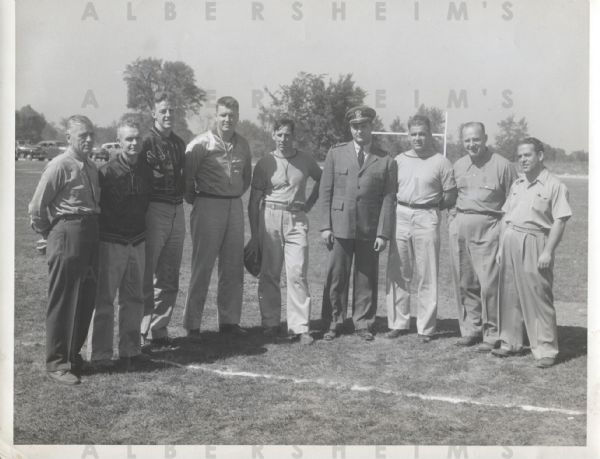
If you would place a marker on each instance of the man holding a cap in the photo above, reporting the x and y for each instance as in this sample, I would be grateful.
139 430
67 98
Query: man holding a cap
357 203
425 185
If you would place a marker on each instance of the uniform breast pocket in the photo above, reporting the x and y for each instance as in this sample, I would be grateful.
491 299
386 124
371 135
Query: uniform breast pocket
541 202
341 176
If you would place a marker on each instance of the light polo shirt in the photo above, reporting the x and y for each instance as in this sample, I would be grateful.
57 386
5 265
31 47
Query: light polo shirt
483 188
423 180
216 168
283 180
68 186
537 204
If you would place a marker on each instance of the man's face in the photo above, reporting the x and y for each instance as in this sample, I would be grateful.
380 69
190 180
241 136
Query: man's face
284 139
474 141
528 158
227 119
81 138
163 115
131 143
361 132
420 138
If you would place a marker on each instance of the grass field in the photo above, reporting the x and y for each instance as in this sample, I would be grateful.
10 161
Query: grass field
251 391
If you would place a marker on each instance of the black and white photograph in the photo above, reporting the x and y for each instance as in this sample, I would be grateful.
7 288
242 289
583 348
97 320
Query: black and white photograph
297 229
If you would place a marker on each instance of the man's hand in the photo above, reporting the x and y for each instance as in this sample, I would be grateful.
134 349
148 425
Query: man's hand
380 244
327 236
545 260
253 245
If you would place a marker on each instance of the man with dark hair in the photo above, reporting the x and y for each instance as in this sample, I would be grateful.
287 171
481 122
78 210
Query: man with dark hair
279 226
64 210
483 179
425 186
126 184
536 213
357 219
164 152
218 170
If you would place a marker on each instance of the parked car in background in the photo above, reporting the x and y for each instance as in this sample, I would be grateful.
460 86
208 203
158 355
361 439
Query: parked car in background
24 149
109 150
50 149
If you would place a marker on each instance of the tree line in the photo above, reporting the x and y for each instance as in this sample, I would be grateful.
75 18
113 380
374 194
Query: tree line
316 103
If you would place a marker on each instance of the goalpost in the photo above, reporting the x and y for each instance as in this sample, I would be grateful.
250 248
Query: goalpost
444 134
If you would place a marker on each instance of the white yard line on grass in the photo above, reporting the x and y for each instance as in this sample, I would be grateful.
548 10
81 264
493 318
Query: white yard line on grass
358 388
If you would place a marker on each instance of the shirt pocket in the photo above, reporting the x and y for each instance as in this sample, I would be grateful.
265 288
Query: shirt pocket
541 203
487 192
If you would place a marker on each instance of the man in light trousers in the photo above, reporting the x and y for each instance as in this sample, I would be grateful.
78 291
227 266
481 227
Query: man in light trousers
218 170
163 151
425 186
126 184
280 229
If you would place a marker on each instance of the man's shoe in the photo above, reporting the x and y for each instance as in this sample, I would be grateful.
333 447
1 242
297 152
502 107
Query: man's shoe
306 339
193 336
135 361
395 333
164 344
423 339
330 335
64 377
485 347
271 332
545 362
77 365
504 352
467 341
232 329
365 334
103 364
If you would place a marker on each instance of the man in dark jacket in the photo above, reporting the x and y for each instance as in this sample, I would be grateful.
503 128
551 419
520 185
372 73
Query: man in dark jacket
126 184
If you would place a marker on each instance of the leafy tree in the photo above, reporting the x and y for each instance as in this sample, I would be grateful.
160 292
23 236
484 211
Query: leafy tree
145 77
580 155
511 131
318 108
29 124
259 139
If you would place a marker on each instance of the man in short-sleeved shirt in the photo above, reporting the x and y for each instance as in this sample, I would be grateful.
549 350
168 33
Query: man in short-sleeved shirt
280 228
483 180
425 185
536 213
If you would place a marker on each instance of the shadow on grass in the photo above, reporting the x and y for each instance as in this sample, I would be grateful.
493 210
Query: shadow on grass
572 342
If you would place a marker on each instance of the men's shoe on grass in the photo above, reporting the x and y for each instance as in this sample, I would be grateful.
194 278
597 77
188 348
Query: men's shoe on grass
504 352
545 362
306 339
330 335
232 329
467 341
164 344
423 339
103 364
365 334
193 336
393 334
64 377
485 347
134 361
78 365
271 332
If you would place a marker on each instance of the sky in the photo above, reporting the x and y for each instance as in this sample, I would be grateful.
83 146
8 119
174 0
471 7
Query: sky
490 60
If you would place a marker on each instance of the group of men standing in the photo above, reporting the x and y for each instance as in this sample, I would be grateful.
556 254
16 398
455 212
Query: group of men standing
122 228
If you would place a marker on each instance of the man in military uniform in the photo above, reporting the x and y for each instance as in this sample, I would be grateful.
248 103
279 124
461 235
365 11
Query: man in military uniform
357 201
536 213
483 180
425 185
64 210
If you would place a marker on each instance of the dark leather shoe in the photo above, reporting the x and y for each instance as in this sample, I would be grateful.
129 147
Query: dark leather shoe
424 339
365 334
504 352
64 377
271 332
467 341
393 334
164 344
485 347
193 336
232 329
330 335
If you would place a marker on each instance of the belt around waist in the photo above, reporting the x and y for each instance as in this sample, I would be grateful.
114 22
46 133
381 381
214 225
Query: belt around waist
281 206
489 213
76 216
419 206
202 194
522 229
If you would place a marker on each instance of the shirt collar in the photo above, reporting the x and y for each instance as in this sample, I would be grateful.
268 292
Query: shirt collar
71 153
156 132
215 133
366 148
542 177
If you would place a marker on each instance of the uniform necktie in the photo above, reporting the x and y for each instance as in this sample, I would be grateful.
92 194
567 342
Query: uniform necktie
361 157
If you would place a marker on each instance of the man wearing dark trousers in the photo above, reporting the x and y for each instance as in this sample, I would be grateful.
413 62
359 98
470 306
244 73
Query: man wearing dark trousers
357 204
64 209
